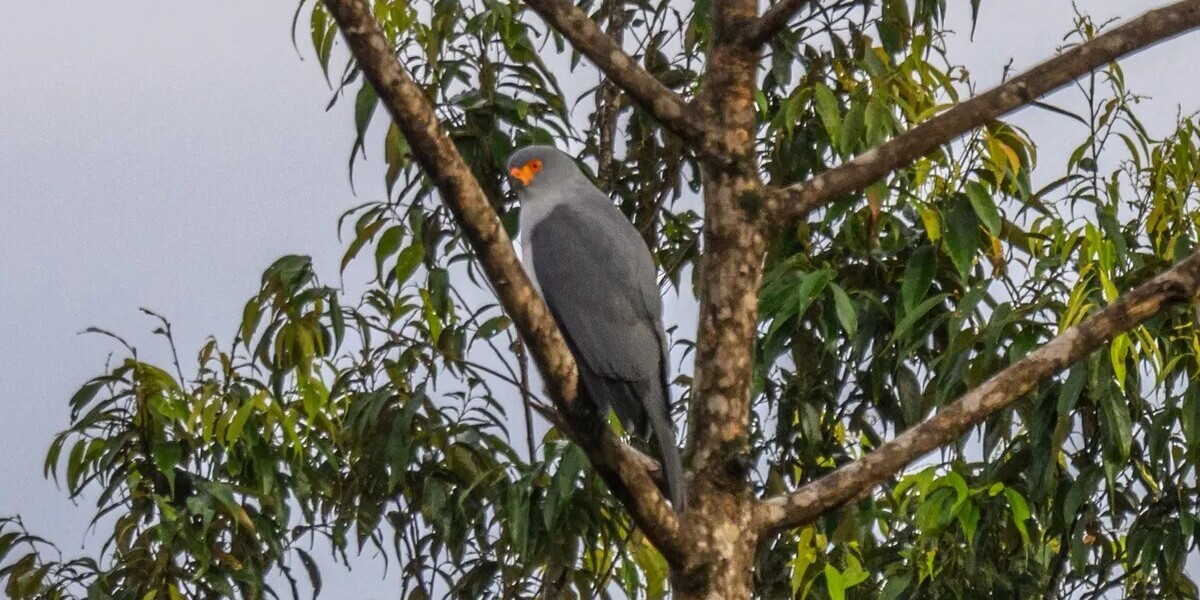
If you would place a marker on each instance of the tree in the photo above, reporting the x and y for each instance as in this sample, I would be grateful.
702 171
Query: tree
878 278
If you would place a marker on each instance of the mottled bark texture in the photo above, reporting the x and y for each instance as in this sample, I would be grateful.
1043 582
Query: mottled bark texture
796 201
608 101
435 152
1176 285
774 20
711 547
721 503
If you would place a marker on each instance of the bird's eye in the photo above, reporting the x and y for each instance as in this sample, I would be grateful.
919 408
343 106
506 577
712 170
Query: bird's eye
536 165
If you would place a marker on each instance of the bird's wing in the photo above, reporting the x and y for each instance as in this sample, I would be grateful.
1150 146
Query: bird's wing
598 279
592 280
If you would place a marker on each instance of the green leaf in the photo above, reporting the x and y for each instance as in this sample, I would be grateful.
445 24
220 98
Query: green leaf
239 422
223 494
985 207
915 315
558 496
968 519
251 315
847 312
813 284
337 320
828 110
364 108
958 484
805 555
835 582
853 128
962 237
50 466
406 264
517 506
389 242
1020 512
323 32
439 291
166 456
291 271
492 326
918 276
432 320
75 465
84 396
361 236
1118 426
314 573
895 586
879 121
655 569
854 573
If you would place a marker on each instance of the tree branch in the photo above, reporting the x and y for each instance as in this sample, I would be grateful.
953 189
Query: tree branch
773 21
626 475
1177 284
796 201
608 99
654 97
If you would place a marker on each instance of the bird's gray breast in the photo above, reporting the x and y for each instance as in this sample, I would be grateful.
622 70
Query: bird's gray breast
527 260
534 210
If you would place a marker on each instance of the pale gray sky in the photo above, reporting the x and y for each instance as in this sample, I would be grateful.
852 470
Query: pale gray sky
160 154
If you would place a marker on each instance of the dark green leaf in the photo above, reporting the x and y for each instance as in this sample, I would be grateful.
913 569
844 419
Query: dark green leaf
918 276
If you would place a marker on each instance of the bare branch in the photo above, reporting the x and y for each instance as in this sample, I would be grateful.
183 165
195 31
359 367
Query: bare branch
626 474
608 99
796 201
1175 285
654 97
773 21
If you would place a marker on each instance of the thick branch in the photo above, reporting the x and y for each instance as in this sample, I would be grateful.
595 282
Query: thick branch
796 201
1178 284
654 97
773 21
435 152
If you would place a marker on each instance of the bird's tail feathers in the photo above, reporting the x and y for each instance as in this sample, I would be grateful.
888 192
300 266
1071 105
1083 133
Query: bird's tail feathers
644 412
672 462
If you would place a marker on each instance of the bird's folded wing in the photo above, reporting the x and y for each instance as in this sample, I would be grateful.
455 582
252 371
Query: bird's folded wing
593 272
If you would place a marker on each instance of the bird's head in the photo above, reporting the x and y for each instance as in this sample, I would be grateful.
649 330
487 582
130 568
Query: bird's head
535 168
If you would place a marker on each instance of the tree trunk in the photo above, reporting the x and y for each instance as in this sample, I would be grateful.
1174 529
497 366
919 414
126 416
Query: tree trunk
724 545
734 245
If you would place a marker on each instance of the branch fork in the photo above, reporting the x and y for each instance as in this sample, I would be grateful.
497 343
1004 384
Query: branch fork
726 523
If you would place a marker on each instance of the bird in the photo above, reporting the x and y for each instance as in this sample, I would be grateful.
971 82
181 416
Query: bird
596 275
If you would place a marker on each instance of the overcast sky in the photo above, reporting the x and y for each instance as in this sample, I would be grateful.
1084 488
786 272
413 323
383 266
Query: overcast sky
161 154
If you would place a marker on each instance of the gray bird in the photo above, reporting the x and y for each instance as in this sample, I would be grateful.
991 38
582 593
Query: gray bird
598 278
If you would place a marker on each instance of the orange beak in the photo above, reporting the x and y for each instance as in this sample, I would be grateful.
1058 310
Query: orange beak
524 173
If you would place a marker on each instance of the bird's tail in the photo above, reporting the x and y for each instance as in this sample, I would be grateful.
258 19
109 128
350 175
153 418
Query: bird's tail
672 463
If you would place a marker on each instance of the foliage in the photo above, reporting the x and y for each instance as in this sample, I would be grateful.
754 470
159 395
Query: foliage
392 423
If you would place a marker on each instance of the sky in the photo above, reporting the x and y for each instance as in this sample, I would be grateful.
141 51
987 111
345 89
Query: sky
161 154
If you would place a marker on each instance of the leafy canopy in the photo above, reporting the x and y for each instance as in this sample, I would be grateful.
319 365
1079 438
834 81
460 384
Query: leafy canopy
400 419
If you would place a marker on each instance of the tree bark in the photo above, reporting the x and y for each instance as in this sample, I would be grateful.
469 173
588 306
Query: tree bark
774 20
721 505
608 100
